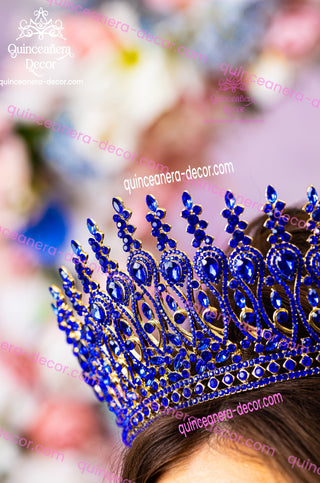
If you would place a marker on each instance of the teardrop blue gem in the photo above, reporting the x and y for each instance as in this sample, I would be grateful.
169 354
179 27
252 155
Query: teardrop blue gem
151 203
203 299
312 195
139 272
271 194
117 205
76 248
244 268
222 356
275 299
91 226
286 263
239 299
313 297
210 267
187 200
97 312
147 311
173 271
115 291
171 303
230 200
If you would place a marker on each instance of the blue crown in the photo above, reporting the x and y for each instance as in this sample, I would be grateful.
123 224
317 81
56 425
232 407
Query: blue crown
153 332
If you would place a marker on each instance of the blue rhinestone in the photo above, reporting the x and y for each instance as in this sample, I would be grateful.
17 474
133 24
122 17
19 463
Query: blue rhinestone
272 344
179 317
215 346
282 316
171 303
158 361
186 392
244 268
117 205
147 311
210 267
139 272
228 379
240 299
177 362
312 195
245 343
236 358
269 281
273 367
222 356
271 194
313 297
91 226
204 344
258 371
76 248
175 397
248 317
203 299
200 367
174 339
209 316
306 361
148 328
206 356
229 200
197 209
97 312
115 291
199 389
289 365
286 262
193 219
187 200
54 292
243 375
316 215
275 299
151 203
173 271
213 383
125 328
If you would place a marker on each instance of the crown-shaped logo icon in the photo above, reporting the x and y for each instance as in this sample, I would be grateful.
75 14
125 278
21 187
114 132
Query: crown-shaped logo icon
153 332
232 83
40 26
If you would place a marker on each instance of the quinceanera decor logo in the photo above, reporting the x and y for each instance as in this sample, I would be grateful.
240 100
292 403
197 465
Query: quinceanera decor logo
233 83
42 29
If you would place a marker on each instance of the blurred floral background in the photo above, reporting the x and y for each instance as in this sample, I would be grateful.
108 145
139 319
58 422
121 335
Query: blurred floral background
153 102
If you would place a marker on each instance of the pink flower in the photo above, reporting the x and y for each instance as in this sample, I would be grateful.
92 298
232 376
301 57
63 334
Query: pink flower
295 31
62 424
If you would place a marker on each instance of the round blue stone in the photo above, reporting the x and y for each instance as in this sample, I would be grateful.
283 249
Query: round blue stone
290 365
179 317
213 383
282 316
273 367
242 375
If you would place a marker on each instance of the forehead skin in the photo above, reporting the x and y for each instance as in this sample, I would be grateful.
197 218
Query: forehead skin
206 465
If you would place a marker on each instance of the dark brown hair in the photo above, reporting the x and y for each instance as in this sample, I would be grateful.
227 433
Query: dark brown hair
291 428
